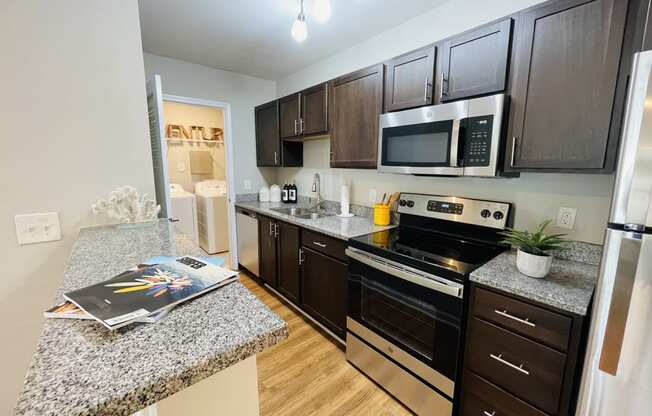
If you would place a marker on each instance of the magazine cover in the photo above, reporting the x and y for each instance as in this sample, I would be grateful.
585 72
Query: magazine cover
140 292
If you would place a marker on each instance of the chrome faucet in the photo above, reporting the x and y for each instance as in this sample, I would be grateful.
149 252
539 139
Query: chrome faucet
316 185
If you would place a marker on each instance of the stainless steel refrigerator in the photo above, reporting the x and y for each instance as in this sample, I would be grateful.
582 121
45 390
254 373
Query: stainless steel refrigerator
617 377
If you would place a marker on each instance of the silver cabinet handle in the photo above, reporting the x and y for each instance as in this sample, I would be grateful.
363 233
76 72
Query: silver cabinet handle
275 230
317 243
493 413
612 344
501 360
301 257
296 123
425 89
443 94
525 321
276 158
301 125
513 151
271 229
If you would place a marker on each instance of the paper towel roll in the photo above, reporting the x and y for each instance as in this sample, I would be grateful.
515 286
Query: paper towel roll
345 199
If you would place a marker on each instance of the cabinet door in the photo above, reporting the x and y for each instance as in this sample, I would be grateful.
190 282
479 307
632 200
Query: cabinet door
268 151
314 110
355 104
476 62
288 261
566 62
267 249
410 79
324 290
289 109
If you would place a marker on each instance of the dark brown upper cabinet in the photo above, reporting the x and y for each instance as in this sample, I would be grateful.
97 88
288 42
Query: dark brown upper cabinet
314 110
290 115
410 79
565 74
268 143
476 62
355 104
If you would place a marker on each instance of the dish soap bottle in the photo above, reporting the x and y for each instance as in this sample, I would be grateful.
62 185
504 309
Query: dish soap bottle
293 193
285 197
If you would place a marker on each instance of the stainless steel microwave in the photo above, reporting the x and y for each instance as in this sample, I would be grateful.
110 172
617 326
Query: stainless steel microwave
461 138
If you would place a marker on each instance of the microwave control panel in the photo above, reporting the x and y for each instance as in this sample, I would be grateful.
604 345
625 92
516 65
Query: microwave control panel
477 149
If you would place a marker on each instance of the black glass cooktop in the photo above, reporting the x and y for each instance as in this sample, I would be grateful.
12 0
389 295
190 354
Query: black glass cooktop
428 250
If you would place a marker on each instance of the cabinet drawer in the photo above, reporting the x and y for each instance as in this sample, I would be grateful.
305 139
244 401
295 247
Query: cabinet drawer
324 244
541 325
531 371
481 398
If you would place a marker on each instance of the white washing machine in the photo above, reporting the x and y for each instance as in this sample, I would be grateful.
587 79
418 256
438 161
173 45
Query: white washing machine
212 216
184 210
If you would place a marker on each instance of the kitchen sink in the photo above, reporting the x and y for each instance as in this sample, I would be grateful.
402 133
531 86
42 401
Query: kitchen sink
302 213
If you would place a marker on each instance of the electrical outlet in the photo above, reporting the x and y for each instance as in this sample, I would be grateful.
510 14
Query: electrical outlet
373 196
247 184
37 228
566 217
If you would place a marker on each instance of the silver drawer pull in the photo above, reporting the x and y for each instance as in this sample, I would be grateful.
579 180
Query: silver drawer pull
525 321
489 414
322 245
501 360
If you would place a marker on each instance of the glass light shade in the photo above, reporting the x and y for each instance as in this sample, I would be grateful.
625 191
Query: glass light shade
299 29
322 10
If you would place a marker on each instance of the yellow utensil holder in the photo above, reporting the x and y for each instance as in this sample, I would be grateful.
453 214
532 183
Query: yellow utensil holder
381 214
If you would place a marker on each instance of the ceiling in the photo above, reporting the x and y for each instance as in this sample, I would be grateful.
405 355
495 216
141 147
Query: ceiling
253 36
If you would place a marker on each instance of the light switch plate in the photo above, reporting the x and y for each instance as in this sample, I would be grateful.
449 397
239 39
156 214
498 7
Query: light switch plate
37 228
566 217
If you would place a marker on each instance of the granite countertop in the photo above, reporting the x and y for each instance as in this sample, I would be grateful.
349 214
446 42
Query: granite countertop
568 287
82 368
342 228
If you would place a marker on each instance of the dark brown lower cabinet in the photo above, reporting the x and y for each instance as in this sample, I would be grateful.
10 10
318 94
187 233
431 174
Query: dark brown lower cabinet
267 228
324 290
521 358
289 269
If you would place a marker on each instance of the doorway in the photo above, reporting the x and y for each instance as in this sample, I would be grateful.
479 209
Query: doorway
193 166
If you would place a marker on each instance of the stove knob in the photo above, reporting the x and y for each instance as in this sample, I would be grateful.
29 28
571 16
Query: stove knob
485 213
402 202
498 215
410 204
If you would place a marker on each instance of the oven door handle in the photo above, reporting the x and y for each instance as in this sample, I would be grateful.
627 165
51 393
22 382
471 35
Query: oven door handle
421 279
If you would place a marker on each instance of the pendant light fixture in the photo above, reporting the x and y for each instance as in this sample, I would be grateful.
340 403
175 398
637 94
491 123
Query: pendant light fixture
299 28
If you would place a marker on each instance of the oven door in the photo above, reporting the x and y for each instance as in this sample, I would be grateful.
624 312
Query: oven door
419 313
423 140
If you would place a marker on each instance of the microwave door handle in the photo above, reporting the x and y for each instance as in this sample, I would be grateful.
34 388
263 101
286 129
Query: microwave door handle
455 142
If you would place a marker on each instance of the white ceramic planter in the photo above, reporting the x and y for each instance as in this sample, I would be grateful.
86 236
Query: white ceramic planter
533 266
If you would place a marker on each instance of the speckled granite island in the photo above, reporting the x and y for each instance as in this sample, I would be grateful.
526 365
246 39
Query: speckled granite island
342 228
81 368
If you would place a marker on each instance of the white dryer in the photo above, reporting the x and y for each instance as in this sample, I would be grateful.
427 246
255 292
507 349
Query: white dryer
212 216
184 210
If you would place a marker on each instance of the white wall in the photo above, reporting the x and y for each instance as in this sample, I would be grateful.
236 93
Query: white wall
74 127
178 156
243 92
537 196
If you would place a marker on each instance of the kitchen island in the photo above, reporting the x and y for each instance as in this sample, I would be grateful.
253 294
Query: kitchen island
199 358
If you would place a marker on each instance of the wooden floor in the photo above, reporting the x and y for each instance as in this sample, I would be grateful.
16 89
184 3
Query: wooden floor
308 374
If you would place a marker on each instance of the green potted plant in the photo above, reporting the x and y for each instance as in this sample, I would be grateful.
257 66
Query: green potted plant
534 255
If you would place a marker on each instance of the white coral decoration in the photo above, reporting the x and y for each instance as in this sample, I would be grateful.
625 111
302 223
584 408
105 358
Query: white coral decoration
127 206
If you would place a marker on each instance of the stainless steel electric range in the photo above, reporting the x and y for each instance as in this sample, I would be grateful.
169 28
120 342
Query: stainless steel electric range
407 289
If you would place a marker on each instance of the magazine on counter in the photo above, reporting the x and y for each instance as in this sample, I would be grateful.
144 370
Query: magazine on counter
148 289
68 310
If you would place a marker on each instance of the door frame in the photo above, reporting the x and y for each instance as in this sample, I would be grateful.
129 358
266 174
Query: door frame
228 144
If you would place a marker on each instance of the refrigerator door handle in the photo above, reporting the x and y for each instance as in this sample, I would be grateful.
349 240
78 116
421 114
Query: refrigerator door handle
628 259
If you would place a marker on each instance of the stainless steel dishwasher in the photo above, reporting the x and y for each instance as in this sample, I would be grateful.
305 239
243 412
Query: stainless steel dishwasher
247 229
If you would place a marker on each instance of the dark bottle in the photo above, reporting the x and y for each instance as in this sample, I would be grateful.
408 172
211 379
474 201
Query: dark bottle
285 193
293 193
